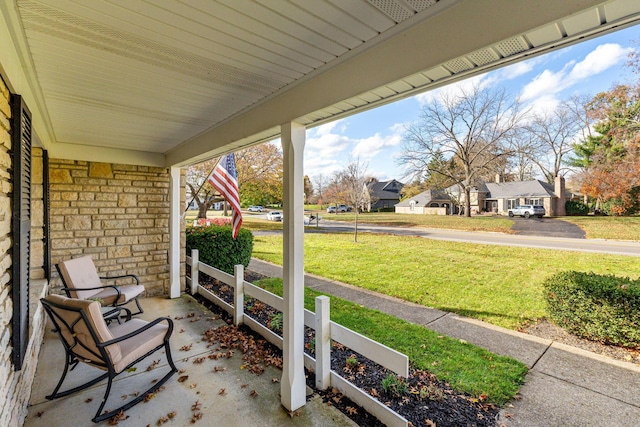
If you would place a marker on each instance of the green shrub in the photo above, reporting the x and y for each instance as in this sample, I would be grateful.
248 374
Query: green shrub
576 208
218 249
602 308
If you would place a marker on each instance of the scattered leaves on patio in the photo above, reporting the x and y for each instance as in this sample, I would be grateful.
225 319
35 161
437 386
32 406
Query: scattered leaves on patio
244 385
89 399
219 369
39 414
186 347
199 359
162 420
171 415
253 393
275 380
196 406
120 416
196 417
132 369
222 392
351 410
153 365
183 378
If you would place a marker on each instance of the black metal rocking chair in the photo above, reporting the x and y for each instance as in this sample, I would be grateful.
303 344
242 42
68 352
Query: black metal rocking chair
87 338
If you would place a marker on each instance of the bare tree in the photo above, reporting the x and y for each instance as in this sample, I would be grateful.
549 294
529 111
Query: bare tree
463 136
199 190
553 135
354 178
321 188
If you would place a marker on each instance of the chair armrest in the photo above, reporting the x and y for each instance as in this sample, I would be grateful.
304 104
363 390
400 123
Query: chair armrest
117 289
122 277
141 330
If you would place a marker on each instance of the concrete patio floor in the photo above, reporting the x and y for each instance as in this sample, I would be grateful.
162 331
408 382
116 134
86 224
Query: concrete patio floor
248 399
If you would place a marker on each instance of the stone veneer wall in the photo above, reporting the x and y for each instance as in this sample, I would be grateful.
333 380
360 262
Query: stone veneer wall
15 386
118 214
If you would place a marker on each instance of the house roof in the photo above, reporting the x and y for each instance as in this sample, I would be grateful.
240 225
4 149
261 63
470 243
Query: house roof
385 190
426 197
508 190
171 83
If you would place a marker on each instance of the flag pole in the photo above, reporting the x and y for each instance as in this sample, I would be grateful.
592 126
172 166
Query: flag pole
201 185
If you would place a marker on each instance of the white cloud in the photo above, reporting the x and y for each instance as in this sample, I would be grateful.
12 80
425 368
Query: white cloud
600 59
370 147
454 89
518 69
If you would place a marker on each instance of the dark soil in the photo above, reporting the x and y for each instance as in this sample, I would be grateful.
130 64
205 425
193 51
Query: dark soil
421 398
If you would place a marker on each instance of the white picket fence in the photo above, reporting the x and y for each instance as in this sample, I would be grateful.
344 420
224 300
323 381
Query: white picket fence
325 331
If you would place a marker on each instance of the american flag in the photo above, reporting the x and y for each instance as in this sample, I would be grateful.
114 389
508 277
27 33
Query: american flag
225 179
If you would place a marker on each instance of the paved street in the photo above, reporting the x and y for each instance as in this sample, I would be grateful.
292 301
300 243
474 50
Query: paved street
615 247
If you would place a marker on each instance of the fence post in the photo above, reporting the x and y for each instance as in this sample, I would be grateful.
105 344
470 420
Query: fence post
195 271
323 343
238 295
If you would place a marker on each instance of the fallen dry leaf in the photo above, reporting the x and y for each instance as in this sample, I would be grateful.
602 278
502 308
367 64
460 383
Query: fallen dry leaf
183 378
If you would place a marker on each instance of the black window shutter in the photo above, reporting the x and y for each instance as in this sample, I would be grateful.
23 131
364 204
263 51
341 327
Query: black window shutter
21 226
47 224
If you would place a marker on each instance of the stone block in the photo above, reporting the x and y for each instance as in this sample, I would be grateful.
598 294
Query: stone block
77 222
100 170
119 251
127 200
60 176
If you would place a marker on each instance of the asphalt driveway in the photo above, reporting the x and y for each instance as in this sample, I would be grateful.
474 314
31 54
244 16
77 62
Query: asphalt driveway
548 227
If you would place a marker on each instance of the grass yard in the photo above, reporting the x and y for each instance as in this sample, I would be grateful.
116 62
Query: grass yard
497 284
608 227
465 367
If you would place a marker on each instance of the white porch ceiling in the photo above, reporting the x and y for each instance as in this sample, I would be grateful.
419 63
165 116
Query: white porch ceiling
187 79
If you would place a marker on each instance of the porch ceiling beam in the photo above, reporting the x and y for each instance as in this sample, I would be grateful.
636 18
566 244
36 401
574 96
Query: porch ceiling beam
447 30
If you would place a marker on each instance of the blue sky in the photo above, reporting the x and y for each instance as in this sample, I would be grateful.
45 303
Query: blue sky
375 136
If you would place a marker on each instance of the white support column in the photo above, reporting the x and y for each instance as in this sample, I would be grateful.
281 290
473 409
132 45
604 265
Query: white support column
175 232
293 386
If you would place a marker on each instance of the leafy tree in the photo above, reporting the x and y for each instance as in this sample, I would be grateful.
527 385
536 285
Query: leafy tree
308 189
260 173
611 157
464 136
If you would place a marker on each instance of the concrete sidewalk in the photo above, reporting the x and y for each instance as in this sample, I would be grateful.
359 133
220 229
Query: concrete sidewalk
565 386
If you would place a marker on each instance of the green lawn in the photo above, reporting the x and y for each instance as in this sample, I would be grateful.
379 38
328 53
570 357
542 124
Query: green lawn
608 227
497 284
467 368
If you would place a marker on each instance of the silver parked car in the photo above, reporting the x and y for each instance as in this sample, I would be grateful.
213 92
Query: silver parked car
527 211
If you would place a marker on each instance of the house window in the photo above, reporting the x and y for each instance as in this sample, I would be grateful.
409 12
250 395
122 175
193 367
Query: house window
512 203
412 205
433 205
532 201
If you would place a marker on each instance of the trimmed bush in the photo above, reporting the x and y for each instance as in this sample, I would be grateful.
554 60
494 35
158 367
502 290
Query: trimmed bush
576 208
603 308
218 249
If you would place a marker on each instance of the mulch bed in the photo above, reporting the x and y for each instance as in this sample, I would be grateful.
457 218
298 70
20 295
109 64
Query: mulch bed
421 398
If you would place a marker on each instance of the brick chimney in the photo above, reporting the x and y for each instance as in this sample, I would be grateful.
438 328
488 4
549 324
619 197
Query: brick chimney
559 189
